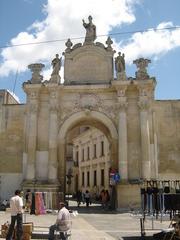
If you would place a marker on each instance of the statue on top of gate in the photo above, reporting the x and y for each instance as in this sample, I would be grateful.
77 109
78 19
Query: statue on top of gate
90 31
56 64
120 66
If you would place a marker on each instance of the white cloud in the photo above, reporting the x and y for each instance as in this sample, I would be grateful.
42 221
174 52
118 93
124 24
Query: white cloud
151 44
63 20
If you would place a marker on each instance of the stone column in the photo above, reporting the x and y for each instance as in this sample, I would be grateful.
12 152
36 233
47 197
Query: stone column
62 168
122 131
53 129
106 173
80 178
85 177
91 175
98 172
25 142
31 148
145 140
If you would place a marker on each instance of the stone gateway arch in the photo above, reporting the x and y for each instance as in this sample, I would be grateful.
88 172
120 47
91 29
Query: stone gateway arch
91 118
122 107
118 106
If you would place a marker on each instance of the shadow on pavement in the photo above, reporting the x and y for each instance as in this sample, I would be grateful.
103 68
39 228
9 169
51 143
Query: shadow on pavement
138 238
92 210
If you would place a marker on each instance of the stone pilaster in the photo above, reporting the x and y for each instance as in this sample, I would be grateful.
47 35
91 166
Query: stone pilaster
106 173
122 131
145 139
31 141
53 129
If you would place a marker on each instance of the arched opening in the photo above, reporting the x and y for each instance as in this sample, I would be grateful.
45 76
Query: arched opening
86 122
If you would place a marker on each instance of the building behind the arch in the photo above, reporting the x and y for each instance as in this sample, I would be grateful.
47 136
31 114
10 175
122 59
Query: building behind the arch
143 133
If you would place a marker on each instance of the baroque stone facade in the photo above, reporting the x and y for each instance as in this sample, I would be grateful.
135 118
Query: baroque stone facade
92 160
143 133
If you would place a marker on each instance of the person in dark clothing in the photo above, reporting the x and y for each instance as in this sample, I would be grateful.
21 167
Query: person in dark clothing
87 198
79 197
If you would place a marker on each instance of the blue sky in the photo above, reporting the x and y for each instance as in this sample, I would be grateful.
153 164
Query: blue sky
27 21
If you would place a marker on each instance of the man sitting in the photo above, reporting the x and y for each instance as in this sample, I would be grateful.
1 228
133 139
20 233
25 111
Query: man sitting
62 222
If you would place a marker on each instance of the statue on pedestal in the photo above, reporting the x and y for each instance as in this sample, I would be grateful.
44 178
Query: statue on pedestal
90 31
56 64
120 66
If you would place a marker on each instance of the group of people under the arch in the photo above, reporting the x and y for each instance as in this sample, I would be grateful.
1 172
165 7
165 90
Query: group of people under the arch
86 197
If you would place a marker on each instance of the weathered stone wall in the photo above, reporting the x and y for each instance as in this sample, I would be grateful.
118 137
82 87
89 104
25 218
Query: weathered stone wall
167 115
11 148
11 138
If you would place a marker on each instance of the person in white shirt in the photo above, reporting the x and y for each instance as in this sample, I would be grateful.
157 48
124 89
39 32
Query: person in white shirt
16 208
62 222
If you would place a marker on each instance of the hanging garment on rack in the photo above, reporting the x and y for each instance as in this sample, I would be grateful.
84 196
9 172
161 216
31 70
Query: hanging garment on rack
166 185
143 199
37 203
33 204
42 207
177 186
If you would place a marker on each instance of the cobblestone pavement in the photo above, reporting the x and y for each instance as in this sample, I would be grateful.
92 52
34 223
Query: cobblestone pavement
93 223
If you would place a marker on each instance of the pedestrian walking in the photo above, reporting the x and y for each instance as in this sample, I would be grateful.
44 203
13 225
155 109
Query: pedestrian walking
79 197
87 198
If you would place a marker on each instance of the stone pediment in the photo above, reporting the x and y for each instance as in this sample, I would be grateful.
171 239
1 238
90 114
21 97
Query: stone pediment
88 64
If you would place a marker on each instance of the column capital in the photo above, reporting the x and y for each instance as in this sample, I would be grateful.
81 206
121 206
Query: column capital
121 91
120 87
143 105
122 105
33 108
33 95
53 93
53 108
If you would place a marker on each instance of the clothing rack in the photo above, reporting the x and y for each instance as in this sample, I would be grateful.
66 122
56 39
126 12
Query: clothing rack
159 197
42 201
